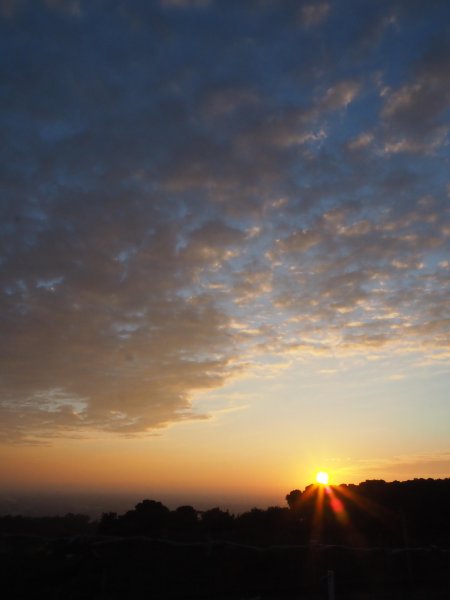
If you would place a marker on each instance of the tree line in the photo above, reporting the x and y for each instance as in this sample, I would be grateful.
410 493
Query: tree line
372 513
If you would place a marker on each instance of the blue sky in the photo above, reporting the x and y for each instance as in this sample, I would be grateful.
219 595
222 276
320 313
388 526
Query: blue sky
224 221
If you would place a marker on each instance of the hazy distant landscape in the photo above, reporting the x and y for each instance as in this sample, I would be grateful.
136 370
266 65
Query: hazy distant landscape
41 504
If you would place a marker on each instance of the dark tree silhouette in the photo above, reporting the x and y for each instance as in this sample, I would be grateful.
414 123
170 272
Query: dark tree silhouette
108 524
184 522
293 499
217 523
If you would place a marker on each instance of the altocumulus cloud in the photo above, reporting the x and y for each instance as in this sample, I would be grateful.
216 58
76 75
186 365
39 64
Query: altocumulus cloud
189 184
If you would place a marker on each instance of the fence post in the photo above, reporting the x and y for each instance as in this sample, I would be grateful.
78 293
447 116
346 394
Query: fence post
330 581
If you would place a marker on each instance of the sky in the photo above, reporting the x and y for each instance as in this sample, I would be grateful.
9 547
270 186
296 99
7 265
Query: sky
224 245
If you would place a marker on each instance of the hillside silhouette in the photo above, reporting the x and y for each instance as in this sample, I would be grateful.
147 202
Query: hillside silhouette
390 540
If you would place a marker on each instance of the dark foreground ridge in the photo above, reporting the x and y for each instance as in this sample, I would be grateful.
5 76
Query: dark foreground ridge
375 540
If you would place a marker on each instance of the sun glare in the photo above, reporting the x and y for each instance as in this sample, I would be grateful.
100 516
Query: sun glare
322 478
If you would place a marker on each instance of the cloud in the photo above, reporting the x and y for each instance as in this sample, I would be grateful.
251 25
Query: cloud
365 278
313 14
431 464
70 7
165 179
10 8
414 114
361 141
185 3
118 328
340 95
222 101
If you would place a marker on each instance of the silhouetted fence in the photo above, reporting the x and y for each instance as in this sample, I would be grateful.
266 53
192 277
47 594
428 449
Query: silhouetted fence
138 567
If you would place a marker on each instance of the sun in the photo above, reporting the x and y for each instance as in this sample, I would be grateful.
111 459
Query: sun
322 478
